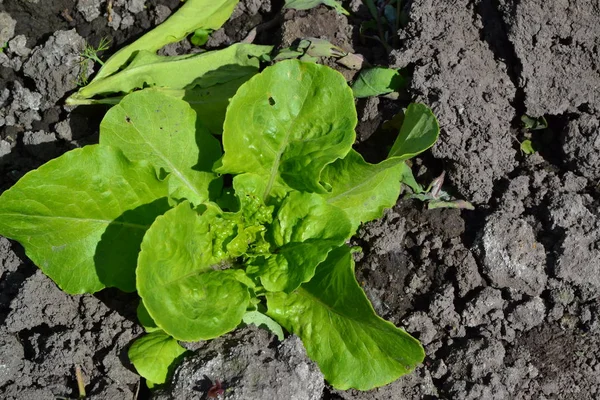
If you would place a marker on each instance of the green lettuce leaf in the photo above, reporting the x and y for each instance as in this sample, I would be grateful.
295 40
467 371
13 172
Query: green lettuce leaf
287 123
145 319
409 180
419 132
361 189
210 103
180 72
353 347
193 15
81 217
151 126
364 190
251 216
248 188
262 321
304 231
153 356
255 186
377 81
184 276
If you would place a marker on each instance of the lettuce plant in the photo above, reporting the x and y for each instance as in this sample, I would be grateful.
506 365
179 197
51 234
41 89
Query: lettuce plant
147 210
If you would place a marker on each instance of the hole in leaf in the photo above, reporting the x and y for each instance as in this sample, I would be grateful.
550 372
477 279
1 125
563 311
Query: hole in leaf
271 101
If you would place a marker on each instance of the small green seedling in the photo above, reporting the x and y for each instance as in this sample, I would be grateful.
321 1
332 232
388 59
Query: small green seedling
90 53
527 147
534 124
216 390
3 47
312 49
434 196
200 37
387 20
530 124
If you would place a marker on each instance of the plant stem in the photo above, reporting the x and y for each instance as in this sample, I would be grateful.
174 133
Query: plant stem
80 382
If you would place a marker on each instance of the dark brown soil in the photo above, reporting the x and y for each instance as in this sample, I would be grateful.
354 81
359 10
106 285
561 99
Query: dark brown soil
505 299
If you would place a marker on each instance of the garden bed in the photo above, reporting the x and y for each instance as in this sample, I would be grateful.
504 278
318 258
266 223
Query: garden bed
504 298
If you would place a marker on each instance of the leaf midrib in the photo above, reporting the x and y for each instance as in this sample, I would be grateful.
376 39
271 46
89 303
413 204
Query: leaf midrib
366 183
307 294
173 169
356 188
277 161
94 220
275 166
360 322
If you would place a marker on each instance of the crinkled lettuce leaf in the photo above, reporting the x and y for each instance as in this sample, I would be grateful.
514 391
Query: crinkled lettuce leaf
287 123
185 277
304 231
